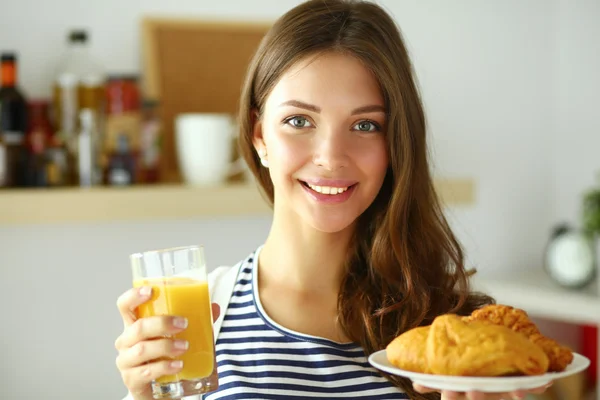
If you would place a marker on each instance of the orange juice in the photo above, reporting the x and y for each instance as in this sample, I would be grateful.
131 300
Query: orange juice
187 298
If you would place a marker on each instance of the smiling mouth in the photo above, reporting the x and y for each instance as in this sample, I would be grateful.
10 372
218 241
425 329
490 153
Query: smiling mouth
328 190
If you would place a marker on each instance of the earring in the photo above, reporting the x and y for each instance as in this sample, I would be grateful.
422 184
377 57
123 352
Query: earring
262 154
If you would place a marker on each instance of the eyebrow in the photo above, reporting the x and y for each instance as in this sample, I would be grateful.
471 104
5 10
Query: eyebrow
312 107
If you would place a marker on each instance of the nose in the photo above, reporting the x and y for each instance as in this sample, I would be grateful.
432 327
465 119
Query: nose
331 149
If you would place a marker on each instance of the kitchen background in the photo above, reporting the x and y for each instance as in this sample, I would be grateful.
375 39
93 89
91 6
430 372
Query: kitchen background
512 92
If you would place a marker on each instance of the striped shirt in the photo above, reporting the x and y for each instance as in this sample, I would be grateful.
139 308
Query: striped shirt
259 359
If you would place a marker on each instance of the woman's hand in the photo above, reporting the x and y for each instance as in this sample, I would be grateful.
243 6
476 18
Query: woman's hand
447 395
144 347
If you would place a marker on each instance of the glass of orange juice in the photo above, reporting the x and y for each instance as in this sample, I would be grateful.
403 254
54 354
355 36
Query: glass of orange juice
178 278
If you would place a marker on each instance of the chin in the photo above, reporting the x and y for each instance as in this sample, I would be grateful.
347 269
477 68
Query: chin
330 225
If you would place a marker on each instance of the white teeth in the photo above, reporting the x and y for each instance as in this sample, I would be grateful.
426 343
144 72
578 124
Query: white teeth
328 189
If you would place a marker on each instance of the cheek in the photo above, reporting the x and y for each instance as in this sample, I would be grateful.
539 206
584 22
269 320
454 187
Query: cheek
287 152
373 158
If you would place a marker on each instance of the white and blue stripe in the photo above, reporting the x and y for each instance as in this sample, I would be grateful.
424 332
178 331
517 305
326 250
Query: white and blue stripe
259 359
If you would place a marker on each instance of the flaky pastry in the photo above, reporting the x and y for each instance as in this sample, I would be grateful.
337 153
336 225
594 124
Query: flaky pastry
518 320
495 340
452 346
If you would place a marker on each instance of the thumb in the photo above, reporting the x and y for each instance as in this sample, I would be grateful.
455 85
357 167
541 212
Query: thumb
216 311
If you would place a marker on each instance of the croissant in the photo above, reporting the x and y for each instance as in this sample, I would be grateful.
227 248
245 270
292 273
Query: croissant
518 320
408 351
455 346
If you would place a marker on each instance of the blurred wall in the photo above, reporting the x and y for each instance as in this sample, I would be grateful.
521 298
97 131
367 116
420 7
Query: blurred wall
511 91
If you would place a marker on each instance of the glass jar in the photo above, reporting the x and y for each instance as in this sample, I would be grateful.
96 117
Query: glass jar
123 116
122 94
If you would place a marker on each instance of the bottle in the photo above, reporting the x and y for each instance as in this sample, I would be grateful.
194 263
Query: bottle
57 163
13 121
150 142
121 166
123 116
37 140
2 163
86 149
79 84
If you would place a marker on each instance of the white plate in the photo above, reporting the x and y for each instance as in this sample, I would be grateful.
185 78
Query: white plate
483 384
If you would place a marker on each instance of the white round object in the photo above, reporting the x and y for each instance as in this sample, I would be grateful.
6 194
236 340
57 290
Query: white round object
570 259
499 384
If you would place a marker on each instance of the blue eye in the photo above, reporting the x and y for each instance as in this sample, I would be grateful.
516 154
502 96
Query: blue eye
298 122
367 126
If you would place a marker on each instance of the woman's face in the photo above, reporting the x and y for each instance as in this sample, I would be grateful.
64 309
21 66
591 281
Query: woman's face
323 128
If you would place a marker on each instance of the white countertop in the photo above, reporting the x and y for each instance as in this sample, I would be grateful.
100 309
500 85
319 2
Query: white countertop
537 294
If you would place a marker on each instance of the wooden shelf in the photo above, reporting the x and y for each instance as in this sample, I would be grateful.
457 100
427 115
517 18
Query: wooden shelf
133 203
31 206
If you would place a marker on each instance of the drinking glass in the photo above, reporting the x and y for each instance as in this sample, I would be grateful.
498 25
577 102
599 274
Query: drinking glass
179 284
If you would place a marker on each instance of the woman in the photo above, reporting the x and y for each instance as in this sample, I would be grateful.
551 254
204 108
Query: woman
333 128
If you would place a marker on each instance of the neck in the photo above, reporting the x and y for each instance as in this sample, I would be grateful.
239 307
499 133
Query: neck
304 260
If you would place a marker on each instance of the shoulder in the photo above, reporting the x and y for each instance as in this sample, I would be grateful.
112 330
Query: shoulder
221 282
223 277
217 273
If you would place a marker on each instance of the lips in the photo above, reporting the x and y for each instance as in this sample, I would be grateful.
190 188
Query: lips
329 192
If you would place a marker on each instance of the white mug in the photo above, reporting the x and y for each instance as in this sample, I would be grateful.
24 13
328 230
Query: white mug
203 143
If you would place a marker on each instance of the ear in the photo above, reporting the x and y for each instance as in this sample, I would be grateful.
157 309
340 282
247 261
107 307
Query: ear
257 131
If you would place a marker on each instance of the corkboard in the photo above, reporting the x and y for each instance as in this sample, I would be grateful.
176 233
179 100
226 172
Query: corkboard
194 66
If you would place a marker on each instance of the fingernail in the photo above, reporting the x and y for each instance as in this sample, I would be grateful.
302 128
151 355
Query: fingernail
176 364
145 291
517 396
180 322
181 344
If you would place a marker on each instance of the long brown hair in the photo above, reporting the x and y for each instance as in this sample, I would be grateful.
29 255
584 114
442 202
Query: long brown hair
406 266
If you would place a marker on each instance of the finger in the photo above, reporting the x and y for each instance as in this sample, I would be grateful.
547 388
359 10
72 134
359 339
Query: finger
422 389
130 300
475 396
521 394
518 395
448 395
137 379
488 396
150 350
150 328
216 311
541 389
